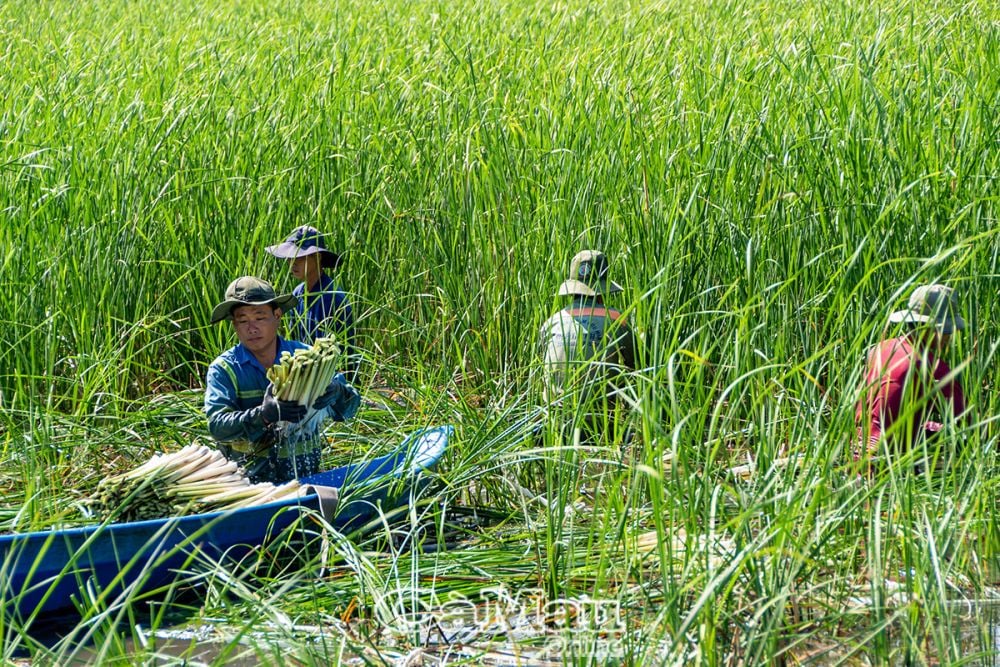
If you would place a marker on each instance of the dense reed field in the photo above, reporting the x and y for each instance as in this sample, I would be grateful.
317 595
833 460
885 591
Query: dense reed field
769 179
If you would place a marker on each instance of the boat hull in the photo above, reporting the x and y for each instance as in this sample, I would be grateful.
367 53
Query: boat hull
58 571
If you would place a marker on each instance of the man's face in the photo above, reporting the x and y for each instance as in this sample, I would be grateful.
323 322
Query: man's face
301 266
256 326
935 340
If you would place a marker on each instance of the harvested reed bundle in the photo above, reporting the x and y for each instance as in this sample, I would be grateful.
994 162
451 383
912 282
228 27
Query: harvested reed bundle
194 480
304 376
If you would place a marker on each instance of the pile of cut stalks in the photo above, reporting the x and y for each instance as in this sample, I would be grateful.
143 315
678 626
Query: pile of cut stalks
200 479
193 480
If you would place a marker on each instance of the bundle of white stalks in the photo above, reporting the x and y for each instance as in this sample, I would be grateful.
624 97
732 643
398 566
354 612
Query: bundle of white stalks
304 376
193 480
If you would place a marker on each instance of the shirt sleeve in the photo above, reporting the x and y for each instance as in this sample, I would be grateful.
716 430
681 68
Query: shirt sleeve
559 338
887 402
343 316
883 395
226 421
628 348
347 403
951 389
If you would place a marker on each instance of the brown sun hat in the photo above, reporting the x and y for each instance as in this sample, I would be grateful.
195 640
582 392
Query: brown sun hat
588 276
250 291
932 303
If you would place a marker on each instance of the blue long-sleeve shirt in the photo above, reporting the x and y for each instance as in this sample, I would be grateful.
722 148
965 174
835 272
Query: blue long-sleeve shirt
234 391
325 310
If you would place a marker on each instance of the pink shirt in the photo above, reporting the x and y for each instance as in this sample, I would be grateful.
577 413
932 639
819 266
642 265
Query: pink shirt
892 365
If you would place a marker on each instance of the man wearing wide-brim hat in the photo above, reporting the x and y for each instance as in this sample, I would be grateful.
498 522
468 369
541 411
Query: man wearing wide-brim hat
588 346
910 392
322 308
274 441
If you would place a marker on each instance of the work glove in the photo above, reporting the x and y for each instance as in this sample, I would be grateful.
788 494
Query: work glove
341 397
331 396
272 410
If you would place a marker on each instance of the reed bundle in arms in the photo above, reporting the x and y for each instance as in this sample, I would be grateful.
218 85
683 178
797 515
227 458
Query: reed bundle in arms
304 376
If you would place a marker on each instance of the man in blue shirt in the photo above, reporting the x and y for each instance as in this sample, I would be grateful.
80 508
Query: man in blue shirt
274 441
322 308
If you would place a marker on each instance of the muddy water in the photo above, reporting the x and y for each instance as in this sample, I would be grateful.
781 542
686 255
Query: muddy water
981 633
205 645
978 639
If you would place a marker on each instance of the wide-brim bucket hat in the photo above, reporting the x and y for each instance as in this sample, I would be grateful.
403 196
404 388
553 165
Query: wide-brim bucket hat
937 304
588 276
304 241
250 291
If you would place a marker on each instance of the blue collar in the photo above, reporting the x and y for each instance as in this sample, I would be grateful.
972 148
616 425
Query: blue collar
245 356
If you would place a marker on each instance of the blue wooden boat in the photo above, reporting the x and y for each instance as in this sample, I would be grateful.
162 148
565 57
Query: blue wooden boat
55 571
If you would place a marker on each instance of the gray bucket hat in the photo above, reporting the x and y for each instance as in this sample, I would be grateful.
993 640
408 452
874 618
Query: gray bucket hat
304 241
932 303
250 291
588 276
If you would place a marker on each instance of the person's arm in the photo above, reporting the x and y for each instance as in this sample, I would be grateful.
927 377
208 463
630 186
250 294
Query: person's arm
559 339
226 421
629 349
342 317
951 389
883 397
340 400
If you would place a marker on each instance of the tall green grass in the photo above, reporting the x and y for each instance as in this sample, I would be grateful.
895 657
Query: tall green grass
770 179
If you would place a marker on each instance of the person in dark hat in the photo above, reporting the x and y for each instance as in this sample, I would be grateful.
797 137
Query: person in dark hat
274 441
909 389
588 347
323 308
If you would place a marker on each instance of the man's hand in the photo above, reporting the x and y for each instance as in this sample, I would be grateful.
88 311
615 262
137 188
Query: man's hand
331 396
272 410
340 398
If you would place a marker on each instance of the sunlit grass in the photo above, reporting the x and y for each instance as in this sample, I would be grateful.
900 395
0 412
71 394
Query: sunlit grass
769 179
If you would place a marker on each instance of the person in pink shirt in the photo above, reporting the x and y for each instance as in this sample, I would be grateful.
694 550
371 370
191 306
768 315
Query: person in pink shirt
909 390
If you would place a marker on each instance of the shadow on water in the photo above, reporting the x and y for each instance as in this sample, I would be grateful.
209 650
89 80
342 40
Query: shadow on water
974 640
980 633
977 627
69 639
56 629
